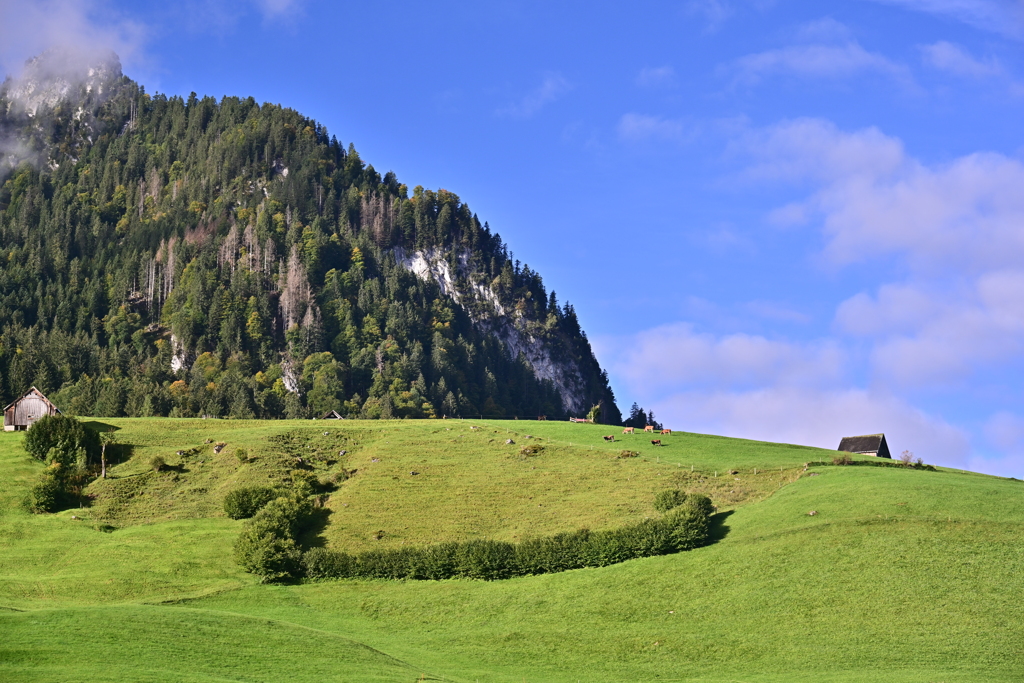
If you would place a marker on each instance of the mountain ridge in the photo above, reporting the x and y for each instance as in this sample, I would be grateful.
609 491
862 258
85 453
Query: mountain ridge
169 232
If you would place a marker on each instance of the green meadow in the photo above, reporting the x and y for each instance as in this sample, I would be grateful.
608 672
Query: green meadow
900 575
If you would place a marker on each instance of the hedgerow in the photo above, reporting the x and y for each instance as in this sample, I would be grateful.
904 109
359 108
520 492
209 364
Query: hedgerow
684 527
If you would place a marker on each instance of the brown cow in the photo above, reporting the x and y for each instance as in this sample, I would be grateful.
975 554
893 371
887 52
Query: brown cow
649 428
628 430
666 431
610 437
655 442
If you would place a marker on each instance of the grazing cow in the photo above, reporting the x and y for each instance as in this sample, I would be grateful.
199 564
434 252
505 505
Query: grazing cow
666 431
628 430
610 437
655 442
649 428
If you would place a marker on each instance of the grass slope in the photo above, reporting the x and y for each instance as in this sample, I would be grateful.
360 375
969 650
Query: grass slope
901 576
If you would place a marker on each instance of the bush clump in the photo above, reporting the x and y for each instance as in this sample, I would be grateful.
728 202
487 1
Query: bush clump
51 493
683 528
666 500
157 463
66 434
268 546
68 472
243 503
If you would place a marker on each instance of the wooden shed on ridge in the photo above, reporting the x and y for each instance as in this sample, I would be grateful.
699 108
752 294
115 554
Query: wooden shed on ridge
22 413
332 415
870 444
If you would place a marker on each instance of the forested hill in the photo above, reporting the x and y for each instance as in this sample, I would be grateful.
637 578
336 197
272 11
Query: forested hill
169 256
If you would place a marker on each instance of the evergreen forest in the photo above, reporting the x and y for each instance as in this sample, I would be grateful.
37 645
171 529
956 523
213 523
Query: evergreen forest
168 256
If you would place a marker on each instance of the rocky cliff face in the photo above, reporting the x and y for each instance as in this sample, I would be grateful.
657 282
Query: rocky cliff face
56 77
56 88
515 331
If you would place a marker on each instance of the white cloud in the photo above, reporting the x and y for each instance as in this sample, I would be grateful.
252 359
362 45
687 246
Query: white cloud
954 231
824 30
928 336
713 12
669 356
954 59
1005 431
660 77
553 86
751 387
816 417
273 9
873 199
1005 17
771 310
818 61
85 27
642 127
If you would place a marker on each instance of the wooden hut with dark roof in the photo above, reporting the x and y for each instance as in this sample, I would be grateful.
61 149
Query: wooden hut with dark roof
22 413
870 444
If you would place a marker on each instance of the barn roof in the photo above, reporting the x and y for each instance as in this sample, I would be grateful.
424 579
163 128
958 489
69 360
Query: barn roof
38 393
869 443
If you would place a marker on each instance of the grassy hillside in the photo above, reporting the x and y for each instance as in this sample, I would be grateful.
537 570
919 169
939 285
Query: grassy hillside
900 576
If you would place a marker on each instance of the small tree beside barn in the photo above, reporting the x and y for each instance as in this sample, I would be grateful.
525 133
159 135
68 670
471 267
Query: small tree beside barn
22 413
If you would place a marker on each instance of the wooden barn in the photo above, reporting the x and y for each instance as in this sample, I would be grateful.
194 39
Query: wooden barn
26 410
332 415
870 444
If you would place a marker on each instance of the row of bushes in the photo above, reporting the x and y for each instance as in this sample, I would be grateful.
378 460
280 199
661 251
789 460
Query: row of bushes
684 527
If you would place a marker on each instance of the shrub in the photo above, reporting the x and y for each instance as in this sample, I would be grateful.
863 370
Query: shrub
242 455
551 554
688 523
666 500
262 552
268 545
321 563
628 454
50 493
157 463
435 562
286 516
843 459
65 434
245 502
487 560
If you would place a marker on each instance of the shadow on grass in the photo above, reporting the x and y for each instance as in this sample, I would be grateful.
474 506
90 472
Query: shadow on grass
313 536
717 528
100 427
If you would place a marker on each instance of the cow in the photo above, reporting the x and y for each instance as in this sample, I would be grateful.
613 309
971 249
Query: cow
610 437
649 428
666 431
655 442
628 430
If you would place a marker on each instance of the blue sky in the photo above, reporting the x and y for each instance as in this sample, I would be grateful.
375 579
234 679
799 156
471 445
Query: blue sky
776 219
